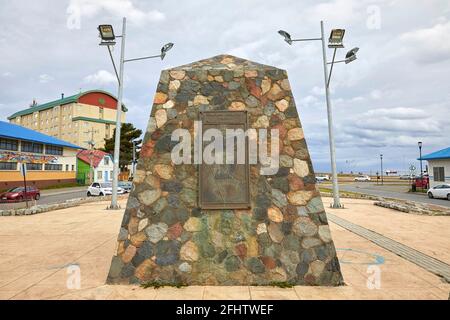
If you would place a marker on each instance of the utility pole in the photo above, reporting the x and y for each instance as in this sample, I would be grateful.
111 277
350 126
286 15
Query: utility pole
421 169
381 159
91 156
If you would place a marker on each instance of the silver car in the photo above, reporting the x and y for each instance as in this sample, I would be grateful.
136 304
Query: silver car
126 186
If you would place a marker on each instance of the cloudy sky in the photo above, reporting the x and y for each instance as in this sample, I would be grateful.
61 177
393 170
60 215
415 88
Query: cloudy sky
394 95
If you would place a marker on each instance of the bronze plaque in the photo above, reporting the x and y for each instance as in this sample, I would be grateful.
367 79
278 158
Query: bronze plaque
225 186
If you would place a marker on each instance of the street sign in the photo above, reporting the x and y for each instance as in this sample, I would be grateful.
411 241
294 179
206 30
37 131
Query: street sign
23 169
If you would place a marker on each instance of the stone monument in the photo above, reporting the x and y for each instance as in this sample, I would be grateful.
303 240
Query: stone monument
224 224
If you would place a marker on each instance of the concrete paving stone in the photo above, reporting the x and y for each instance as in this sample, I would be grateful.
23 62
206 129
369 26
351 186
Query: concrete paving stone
273 293
87 235
227 293
185 293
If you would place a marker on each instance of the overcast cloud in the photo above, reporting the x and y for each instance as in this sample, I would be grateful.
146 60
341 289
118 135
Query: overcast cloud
394 95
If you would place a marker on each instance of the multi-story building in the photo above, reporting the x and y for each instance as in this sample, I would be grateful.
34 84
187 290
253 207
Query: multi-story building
48 160
75 119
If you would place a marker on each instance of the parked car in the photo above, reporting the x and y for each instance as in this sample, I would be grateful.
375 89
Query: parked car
440 191
126 186
362 178
19 194
323 178
407 177
102 189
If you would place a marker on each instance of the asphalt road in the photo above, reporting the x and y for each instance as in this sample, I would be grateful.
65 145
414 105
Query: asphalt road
48 197
380 191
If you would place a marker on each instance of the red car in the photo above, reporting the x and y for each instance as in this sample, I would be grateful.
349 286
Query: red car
19 194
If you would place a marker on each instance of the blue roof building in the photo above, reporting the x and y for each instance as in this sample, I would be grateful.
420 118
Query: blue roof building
13 131
440 154
438 166
48 160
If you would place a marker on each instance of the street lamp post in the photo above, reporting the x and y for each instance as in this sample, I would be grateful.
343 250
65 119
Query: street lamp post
381 160
420 158
334 41
108 39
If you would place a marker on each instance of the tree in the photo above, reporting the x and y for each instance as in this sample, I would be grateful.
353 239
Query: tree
128 133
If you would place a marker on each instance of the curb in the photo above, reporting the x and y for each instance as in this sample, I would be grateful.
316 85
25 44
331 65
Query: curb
54 206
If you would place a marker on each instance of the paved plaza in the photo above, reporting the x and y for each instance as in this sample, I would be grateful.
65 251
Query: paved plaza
40 256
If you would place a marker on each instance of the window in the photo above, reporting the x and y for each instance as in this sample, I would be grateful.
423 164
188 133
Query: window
8 165
32 147
34 166
73 167
8 144
438 174
67 167
53 167
106 160
107 131
99 175
100 111
50 149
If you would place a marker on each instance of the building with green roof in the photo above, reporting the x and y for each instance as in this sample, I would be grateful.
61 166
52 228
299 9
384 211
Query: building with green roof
78 119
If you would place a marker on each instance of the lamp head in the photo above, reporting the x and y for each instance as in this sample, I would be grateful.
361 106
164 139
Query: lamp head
287 36
335 39
420 144
106 34
351 55
166 48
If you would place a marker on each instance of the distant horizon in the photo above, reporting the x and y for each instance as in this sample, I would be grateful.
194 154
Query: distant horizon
394 95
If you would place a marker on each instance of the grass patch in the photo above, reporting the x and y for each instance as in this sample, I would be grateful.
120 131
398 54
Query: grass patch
342 193
63 185
279 284
156 284
418 191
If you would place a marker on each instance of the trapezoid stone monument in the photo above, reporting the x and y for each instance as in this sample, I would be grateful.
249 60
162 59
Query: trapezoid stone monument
224 224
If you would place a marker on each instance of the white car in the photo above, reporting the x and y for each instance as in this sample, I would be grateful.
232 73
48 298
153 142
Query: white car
440 191
102 189
362 178
323 178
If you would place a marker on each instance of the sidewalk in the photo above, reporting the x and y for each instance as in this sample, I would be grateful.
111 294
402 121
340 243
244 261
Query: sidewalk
35 265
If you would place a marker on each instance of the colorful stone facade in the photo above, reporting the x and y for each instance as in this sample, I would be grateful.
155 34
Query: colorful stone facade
166 237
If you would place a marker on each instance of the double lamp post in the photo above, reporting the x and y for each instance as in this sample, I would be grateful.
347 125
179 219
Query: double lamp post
334 42
108 39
